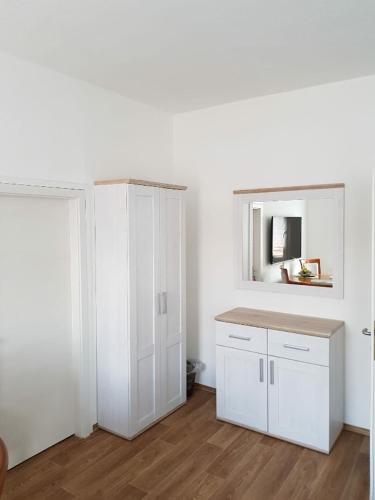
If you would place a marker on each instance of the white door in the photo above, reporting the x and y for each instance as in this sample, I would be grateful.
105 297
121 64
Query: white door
37 392
173 362
298 402
241 381
371 333
144 303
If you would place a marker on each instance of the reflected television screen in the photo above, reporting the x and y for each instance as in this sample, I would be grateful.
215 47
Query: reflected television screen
286 238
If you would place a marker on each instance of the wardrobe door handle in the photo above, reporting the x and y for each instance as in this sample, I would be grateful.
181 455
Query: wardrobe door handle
261 370
165 303
272 372
159 304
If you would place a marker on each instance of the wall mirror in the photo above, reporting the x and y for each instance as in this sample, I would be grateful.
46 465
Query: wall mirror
290 239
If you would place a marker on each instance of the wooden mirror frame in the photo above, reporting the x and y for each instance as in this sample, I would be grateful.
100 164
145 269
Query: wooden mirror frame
335 192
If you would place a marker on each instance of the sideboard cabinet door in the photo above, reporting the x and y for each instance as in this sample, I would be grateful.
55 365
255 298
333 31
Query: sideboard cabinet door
298 402
242 387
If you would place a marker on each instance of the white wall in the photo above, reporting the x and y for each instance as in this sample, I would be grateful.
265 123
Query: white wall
55 127
320 227
315 135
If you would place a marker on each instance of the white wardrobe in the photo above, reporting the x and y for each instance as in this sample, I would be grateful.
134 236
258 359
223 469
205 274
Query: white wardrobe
140 293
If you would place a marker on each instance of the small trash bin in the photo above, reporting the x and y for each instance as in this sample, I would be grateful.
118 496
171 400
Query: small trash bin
193 366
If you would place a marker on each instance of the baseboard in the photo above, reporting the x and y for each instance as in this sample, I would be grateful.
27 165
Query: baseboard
357 430
206 388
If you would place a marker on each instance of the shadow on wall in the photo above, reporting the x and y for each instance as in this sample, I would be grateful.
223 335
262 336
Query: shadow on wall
192 274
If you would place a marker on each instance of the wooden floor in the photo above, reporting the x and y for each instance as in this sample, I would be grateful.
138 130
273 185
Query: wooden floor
190 455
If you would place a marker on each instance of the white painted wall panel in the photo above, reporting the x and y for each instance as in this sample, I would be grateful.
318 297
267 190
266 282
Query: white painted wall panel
59 128
310 136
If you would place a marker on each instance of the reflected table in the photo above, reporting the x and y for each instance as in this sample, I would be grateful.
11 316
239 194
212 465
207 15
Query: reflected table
325 280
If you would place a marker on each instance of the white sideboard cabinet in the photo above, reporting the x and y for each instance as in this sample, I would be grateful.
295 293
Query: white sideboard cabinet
140 294
281 374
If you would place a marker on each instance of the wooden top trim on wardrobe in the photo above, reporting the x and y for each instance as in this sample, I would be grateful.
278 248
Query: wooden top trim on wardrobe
289 188
139 182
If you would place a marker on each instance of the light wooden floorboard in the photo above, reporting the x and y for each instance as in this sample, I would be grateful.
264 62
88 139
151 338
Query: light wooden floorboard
190 455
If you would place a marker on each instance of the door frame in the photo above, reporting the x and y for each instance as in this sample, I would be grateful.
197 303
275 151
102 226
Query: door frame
372 355
80 201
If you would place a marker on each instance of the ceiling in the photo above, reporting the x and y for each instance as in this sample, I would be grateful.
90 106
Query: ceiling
180 55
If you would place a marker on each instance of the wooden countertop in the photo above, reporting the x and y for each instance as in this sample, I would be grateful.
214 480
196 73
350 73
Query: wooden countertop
306 325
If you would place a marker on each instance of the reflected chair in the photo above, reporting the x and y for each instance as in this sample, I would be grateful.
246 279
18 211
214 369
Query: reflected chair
285 278
284 275
3 464
315 261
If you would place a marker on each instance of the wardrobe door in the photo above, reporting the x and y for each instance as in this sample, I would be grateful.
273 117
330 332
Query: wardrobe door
173 356
144 274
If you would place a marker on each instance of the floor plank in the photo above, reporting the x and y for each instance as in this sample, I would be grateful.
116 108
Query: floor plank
192 456
357 487
270 478
333 480
204 486
298 483
186 473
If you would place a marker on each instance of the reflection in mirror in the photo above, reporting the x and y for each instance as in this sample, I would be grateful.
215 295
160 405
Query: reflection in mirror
289 241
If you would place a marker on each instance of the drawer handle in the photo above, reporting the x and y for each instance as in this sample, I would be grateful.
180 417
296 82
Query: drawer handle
297 347
238 337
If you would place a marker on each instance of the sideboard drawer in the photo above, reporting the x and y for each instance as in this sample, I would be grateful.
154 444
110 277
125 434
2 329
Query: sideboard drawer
247 338
306 348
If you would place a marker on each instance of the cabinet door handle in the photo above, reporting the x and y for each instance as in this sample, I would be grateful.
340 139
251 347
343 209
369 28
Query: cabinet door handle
272 372
165 303
261 370
238 337
297 347
159 304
